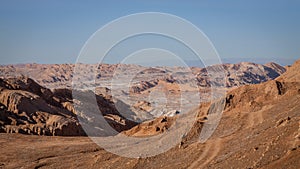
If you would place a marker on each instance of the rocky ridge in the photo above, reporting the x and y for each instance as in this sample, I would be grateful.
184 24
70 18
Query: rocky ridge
60 75
28 108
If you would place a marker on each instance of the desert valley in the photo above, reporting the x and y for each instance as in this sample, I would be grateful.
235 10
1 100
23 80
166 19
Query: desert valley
42 127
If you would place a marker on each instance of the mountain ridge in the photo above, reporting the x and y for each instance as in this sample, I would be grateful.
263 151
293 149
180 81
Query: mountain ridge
60 75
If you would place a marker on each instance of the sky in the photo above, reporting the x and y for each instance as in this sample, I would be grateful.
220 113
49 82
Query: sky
54 31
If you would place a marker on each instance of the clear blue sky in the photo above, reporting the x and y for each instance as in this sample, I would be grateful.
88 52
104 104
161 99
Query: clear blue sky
54 31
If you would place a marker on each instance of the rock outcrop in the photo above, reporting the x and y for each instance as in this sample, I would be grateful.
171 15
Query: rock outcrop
26 107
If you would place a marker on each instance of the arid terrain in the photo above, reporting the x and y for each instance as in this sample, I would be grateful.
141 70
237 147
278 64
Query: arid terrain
55 76
259 128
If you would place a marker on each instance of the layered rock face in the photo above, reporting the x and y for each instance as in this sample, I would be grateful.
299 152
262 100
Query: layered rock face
31 109
28 108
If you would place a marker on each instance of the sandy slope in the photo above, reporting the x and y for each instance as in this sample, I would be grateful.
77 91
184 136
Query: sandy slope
274 143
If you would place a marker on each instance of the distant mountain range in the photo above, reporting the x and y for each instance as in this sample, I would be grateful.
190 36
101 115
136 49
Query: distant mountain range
60 75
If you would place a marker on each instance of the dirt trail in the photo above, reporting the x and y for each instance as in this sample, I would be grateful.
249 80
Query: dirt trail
211 150
256 117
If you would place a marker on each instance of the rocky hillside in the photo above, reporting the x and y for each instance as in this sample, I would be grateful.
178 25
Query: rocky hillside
259 129
28 108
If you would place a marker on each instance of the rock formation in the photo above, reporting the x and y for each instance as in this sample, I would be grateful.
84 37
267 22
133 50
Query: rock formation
28 108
